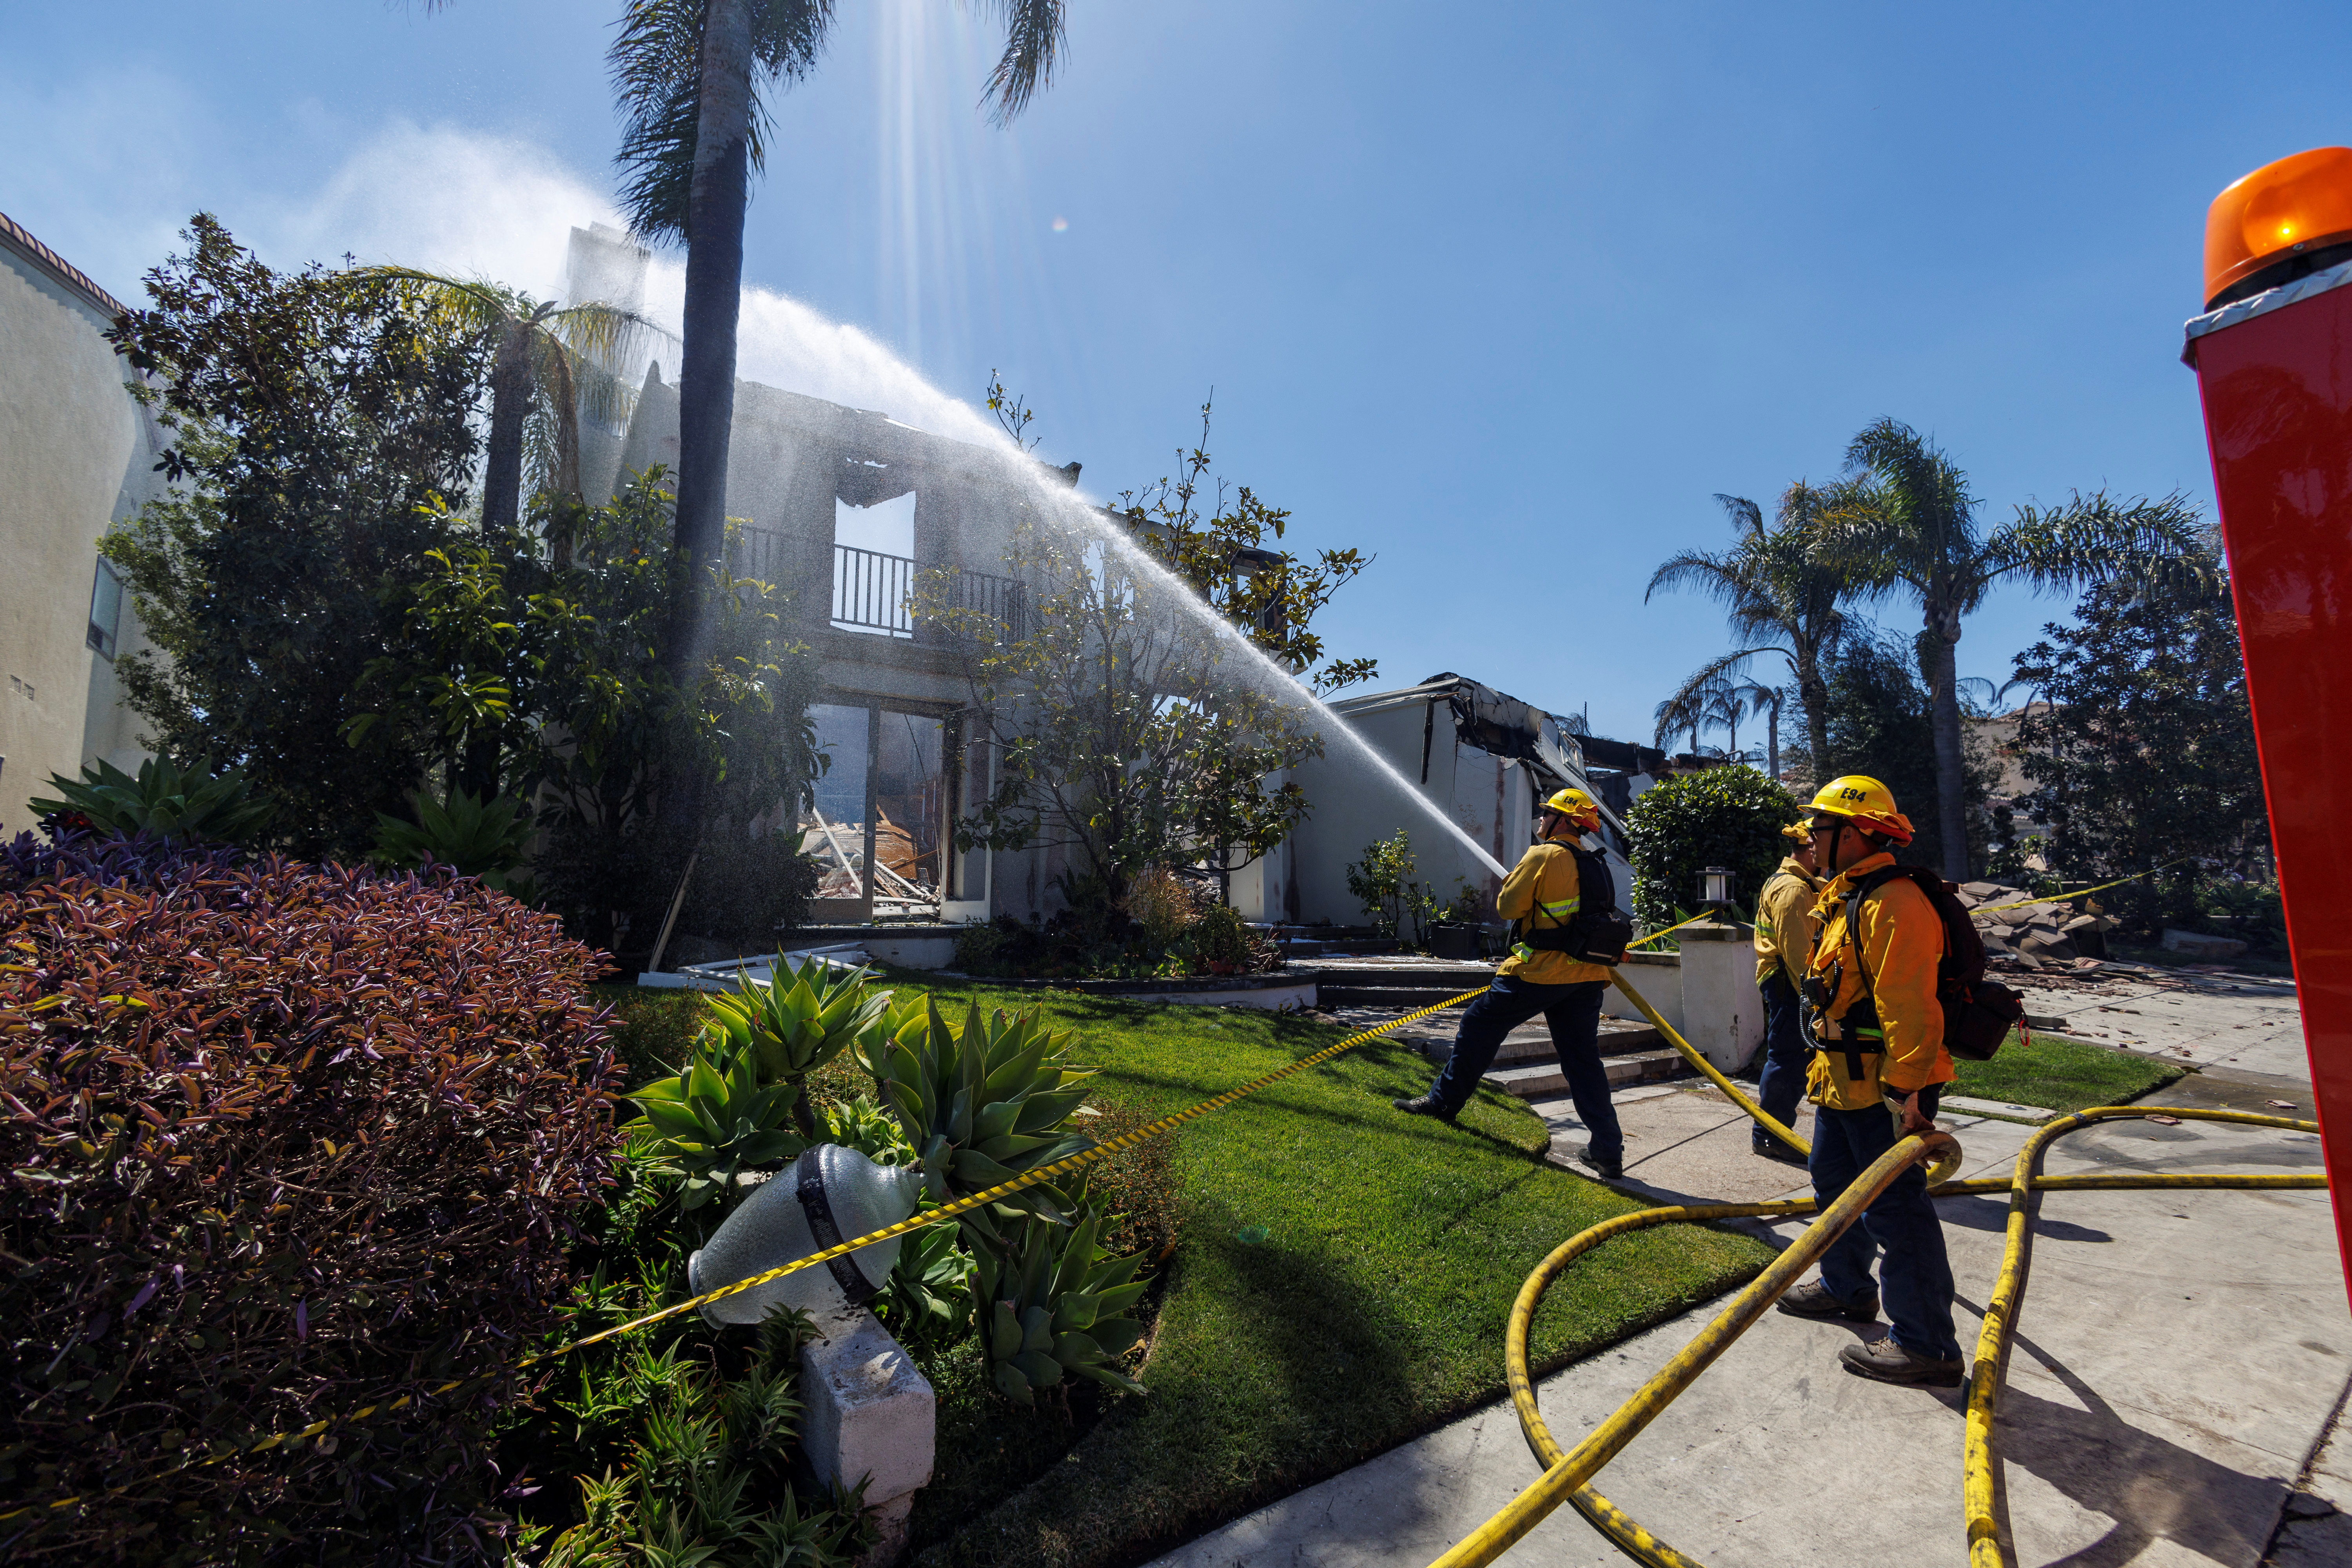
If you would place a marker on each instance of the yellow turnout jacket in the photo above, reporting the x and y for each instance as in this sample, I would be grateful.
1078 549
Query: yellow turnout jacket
1785 923
1543 890
1903 938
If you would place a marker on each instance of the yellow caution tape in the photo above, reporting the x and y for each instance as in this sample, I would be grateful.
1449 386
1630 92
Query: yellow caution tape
2080 892
997 1194
1669 931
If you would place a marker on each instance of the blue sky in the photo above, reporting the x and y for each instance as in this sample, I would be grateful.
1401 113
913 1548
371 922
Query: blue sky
1503 294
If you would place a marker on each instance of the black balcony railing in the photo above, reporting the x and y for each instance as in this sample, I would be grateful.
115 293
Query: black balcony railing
871 589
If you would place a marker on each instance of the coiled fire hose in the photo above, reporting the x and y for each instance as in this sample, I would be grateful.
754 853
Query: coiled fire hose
1566 1475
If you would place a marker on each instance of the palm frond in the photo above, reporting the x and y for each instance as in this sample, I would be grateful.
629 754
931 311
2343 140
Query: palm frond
1743 512
1917 498
656 73
467 304
2160 543
1035 35
656 62
1716 577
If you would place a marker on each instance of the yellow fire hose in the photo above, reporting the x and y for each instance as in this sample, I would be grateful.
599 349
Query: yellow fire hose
1566 1475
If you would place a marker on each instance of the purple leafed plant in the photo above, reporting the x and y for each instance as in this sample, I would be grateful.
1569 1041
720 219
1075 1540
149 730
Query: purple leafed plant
277 1141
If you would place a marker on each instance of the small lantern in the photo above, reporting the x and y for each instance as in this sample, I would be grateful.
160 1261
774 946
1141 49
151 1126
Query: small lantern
1715 887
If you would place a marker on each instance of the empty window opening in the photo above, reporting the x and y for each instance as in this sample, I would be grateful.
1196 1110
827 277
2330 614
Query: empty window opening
874 565
105 609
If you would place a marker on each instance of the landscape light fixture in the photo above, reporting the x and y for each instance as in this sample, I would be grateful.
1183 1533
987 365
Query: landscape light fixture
1715 887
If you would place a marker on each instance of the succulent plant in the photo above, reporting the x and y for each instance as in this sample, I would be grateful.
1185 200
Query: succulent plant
806 1014
979 1103
717 1119
1057 1307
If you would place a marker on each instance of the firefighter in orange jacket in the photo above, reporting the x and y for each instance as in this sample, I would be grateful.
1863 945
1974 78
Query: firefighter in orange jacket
1877 1034
1545 890
1784 944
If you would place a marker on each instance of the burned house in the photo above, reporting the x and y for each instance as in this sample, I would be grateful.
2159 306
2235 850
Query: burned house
843 508
1484 759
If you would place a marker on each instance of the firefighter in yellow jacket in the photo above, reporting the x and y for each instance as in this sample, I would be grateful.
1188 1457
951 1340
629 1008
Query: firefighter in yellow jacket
1878 1068
1546 891
1784 944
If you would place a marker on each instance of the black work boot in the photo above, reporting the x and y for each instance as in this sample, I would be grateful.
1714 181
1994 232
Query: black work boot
1773 1148
1608 1170
1425 1105
1815 1300
1887 1362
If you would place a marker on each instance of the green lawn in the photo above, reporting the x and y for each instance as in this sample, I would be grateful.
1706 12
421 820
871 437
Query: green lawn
1340 1285
2060 1074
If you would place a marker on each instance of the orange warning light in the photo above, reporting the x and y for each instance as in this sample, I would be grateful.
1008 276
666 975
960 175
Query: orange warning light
2281 211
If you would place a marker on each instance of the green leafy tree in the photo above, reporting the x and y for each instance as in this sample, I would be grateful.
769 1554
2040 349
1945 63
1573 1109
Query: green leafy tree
315 427
546 682
1128 732
1783 600
2145 754
1728 817
1217 540
1908 524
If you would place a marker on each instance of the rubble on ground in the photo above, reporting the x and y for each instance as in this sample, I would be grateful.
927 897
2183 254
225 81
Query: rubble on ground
2039 937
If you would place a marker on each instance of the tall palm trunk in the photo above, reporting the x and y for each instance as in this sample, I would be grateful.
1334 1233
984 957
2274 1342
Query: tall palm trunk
509 401
706 396
1772 741
1813 697
1944 715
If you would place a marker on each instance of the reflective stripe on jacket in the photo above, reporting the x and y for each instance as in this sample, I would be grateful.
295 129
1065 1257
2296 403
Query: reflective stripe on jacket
1543 881
1784 923
1902 937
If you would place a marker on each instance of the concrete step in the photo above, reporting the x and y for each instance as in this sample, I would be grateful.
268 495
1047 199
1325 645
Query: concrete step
1337 947
1405 998
1545 1080
1533 1042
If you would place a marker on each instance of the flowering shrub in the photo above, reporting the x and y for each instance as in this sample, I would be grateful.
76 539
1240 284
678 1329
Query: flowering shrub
277 1141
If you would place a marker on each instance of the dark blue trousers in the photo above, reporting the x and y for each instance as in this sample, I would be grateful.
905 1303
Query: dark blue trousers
1573 1012
1781 1084
1915 1278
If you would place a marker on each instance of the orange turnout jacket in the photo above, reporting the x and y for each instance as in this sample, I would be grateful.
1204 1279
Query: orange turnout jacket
1785 923
1902 937
1543 891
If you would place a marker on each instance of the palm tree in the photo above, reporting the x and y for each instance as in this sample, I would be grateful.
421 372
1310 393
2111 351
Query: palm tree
552 364
1781 598
690 74
1764 702
1907 525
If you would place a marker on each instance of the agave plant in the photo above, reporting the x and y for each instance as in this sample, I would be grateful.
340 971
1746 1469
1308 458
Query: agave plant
716 1119
981 1103
169 802
1057 1307
486 838
805 1015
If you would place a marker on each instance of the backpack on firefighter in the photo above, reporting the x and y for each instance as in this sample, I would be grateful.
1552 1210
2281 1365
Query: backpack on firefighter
1978 1013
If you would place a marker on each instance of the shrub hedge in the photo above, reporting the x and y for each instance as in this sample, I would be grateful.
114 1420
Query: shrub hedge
277 1141
1728 817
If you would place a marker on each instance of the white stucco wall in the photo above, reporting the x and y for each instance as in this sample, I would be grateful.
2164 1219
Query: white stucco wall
76 453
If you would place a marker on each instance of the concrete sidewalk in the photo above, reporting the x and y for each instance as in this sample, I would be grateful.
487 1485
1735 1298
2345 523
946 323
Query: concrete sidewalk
2180 1358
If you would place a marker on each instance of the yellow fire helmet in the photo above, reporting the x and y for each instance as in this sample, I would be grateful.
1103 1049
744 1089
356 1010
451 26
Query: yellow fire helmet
1867 803
1581 810
1802 831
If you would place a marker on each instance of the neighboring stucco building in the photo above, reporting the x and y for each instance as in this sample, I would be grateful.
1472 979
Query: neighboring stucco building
77 453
